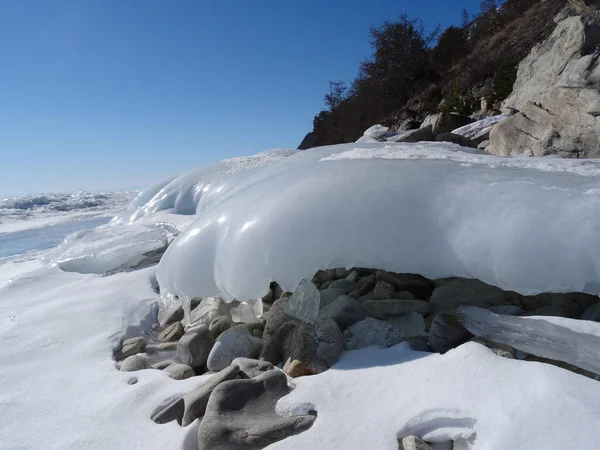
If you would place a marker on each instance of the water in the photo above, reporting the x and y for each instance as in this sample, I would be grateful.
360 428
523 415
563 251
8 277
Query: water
43 238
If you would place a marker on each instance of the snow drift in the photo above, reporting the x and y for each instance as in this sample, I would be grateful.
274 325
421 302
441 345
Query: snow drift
430 208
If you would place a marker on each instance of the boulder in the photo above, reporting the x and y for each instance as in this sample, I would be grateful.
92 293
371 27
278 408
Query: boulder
309 141
251 368
230 346
194 346
329 295
345 311
456 139
381 309
383 290
172 333
556 97
417 285
309 349
484 144
592 313
241 415
168 315
409 325
444 122
366 283
369 332
570 305
164 364
209 309
132 346
424 133
277 316
133 363
413 443
461 291
179 371
219 325
446 333
344 285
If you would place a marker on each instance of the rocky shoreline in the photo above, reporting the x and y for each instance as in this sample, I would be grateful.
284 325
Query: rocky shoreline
251 350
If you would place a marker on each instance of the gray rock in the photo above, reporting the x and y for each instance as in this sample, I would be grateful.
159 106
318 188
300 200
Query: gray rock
456 139
245 328
409 325
329 295
506 351
268 297
167 316
179 371
251 368
192 405
132 346
133 363
209 309
446 333
444 123
164 364
367 283
277 291
425 133
219 325
232 345
194 347
413 443
509 310
241 415
324 275
592 313
309 349
571 304
345 311
556 96
343 285
383 290
461 291
352 276
272 350
381 309
484 144
340 273
417 285
172 333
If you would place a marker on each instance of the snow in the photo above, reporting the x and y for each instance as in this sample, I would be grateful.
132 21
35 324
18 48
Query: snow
187 193
428 208
479 128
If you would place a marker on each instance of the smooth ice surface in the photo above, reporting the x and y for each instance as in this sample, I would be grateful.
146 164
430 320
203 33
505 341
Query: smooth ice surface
525 224
370 395
538 337
192 191
108 248
480 127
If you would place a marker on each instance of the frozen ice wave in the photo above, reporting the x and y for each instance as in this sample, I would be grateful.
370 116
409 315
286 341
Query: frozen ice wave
426 208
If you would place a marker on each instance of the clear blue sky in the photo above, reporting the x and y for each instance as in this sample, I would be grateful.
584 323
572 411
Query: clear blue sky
101 94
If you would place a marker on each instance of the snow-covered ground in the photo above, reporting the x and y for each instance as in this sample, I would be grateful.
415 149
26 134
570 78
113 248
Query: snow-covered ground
521 223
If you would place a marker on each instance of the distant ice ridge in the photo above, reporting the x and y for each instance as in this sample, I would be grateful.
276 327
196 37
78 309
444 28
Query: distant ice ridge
480 127
526 224
195 190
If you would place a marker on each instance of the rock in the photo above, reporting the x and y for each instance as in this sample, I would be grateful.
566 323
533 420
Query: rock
168 316
133 363
509 310
132 346
304 303
413 443
446 333
383 290
444 123
164 364
352 276
162 347
409 124
483 144
506 351
571 304
324 275
194 347
268 297
340 273
241 415
592 313
381 309
424 133
192 405
327 284
172 333
417 285
208 310
132 380
329 295
556 96
179 371
219 325
366 284
245 328
456 139
277 291
309 141
272 351
230 346
344 285
344 310
461 291
310 349
369 332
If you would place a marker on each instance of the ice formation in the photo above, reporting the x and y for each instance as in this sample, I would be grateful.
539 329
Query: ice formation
193 190
529 225
536 336
480 127
109 248
305 302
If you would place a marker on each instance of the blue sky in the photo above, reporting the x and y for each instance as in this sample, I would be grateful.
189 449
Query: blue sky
103 94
